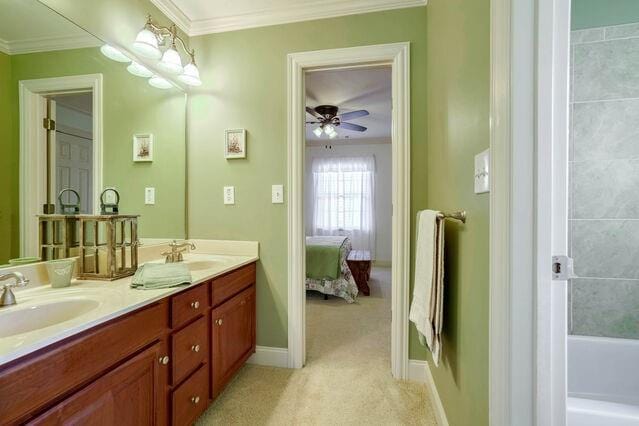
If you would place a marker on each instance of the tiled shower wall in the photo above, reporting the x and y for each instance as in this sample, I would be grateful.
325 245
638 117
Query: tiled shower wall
604 181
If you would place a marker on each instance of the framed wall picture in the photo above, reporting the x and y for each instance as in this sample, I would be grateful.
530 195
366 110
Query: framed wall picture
143 147
235 143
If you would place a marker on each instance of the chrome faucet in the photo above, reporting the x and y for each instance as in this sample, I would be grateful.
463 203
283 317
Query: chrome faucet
175 255
8 298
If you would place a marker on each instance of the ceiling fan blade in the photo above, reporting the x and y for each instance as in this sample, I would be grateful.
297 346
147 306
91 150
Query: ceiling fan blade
351 126
314 113
313 122
354 114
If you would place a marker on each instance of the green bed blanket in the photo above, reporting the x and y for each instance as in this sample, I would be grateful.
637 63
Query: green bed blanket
323 257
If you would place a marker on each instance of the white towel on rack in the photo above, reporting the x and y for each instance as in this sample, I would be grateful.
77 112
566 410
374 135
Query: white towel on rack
428 290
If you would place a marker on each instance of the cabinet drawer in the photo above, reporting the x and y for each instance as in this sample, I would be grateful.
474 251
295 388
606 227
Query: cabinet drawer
188 305
190 399
225 287
190 348
27 386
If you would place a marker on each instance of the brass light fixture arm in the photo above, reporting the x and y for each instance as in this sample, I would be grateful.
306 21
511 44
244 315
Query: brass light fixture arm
161 31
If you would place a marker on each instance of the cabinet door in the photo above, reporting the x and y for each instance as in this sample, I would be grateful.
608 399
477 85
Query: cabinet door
233 337
127 395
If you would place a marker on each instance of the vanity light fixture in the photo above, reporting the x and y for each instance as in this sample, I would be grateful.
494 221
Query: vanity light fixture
159 83
139 70
155 42
114 54
191 74
146 42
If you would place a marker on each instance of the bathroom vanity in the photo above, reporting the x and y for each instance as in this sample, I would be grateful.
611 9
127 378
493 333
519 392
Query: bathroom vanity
160 358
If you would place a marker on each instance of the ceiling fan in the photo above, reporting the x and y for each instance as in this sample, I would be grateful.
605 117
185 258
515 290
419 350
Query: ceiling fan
329 120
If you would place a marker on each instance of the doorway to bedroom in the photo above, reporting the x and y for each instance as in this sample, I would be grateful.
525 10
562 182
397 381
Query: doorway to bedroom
348 219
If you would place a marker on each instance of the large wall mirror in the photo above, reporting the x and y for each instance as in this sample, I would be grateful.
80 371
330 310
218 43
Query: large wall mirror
75 116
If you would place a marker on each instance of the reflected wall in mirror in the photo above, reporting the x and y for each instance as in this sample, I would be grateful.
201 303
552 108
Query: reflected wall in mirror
52 69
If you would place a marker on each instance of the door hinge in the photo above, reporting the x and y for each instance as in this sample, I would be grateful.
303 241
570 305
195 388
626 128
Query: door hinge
48 124
562 268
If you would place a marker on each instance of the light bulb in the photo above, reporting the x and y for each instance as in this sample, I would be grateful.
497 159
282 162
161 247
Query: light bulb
139 70
332 135
328 129
191 75
113 53
318 131
171 61
146 44
159 82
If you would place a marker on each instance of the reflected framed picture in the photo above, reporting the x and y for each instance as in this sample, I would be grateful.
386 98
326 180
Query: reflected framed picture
235 143
143 147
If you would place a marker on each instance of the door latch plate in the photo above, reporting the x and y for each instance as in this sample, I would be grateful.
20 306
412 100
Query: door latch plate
562 268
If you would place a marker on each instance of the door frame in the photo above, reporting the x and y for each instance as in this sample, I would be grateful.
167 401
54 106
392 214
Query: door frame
529 139
396 55
32 190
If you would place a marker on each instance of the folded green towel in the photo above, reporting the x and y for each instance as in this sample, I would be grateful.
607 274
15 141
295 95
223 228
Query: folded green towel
161 275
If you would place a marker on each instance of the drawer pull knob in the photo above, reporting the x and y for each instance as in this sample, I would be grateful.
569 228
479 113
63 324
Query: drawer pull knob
195 399
218 321
195 348
164 360
195 305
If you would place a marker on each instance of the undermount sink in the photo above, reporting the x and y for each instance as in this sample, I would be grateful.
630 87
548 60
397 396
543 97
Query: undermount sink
199 265
34 316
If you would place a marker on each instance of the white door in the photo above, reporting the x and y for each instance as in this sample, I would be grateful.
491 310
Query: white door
74 168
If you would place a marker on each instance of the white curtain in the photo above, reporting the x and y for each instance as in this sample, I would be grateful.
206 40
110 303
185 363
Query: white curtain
343 199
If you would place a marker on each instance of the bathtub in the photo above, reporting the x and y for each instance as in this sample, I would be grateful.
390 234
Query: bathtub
603 382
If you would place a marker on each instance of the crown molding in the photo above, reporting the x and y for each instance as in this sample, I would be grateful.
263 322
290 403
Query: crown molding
175 14
294 13
46 44
4 47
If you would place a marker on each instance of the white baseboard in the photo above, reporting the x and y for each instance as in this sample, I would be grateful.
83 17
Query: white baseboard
270 356
419 371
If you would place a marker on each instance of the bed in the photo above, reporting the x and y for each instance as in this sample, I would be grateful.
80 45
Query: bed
326 268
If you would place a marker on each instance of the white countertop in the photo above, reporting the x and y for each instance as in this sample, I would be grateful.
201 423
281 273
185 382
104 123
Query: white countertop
101 301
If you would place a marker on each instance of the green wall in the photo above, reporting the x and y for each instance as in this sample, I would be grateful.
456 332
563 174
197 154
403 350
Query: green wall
130 106
597 13
458 87
8 162
244 75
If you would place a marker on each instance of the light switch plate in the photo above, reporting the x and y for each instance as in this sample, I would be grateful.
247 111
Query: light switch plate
277 194
149 196
482 176
229 195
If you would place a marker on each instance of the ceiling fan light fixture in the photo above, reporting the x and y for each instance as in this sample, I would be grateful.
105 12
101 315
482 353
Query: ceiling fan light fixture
332 135
114 54
318 131
328 129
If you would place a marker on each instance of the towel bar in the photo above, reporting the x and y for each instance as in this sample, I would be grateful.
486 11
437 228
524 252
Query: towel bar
457 215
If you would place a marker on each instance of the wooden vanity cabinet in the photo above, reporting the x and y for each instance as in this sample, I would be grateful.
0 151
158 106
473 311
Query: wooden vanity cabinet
159 365
233 337
127 395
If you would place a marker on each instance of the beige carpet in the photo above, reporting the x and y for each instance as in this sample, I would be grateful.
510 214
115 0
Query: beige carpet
346 380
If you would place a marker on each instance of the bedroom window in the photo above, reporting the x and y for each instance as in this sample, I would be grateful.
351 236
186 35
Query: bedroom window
343 199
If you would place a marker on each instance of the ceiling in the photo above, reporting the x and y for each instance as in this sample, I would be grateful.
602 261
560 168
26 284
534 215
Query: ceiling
196 17
351 90
29 26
